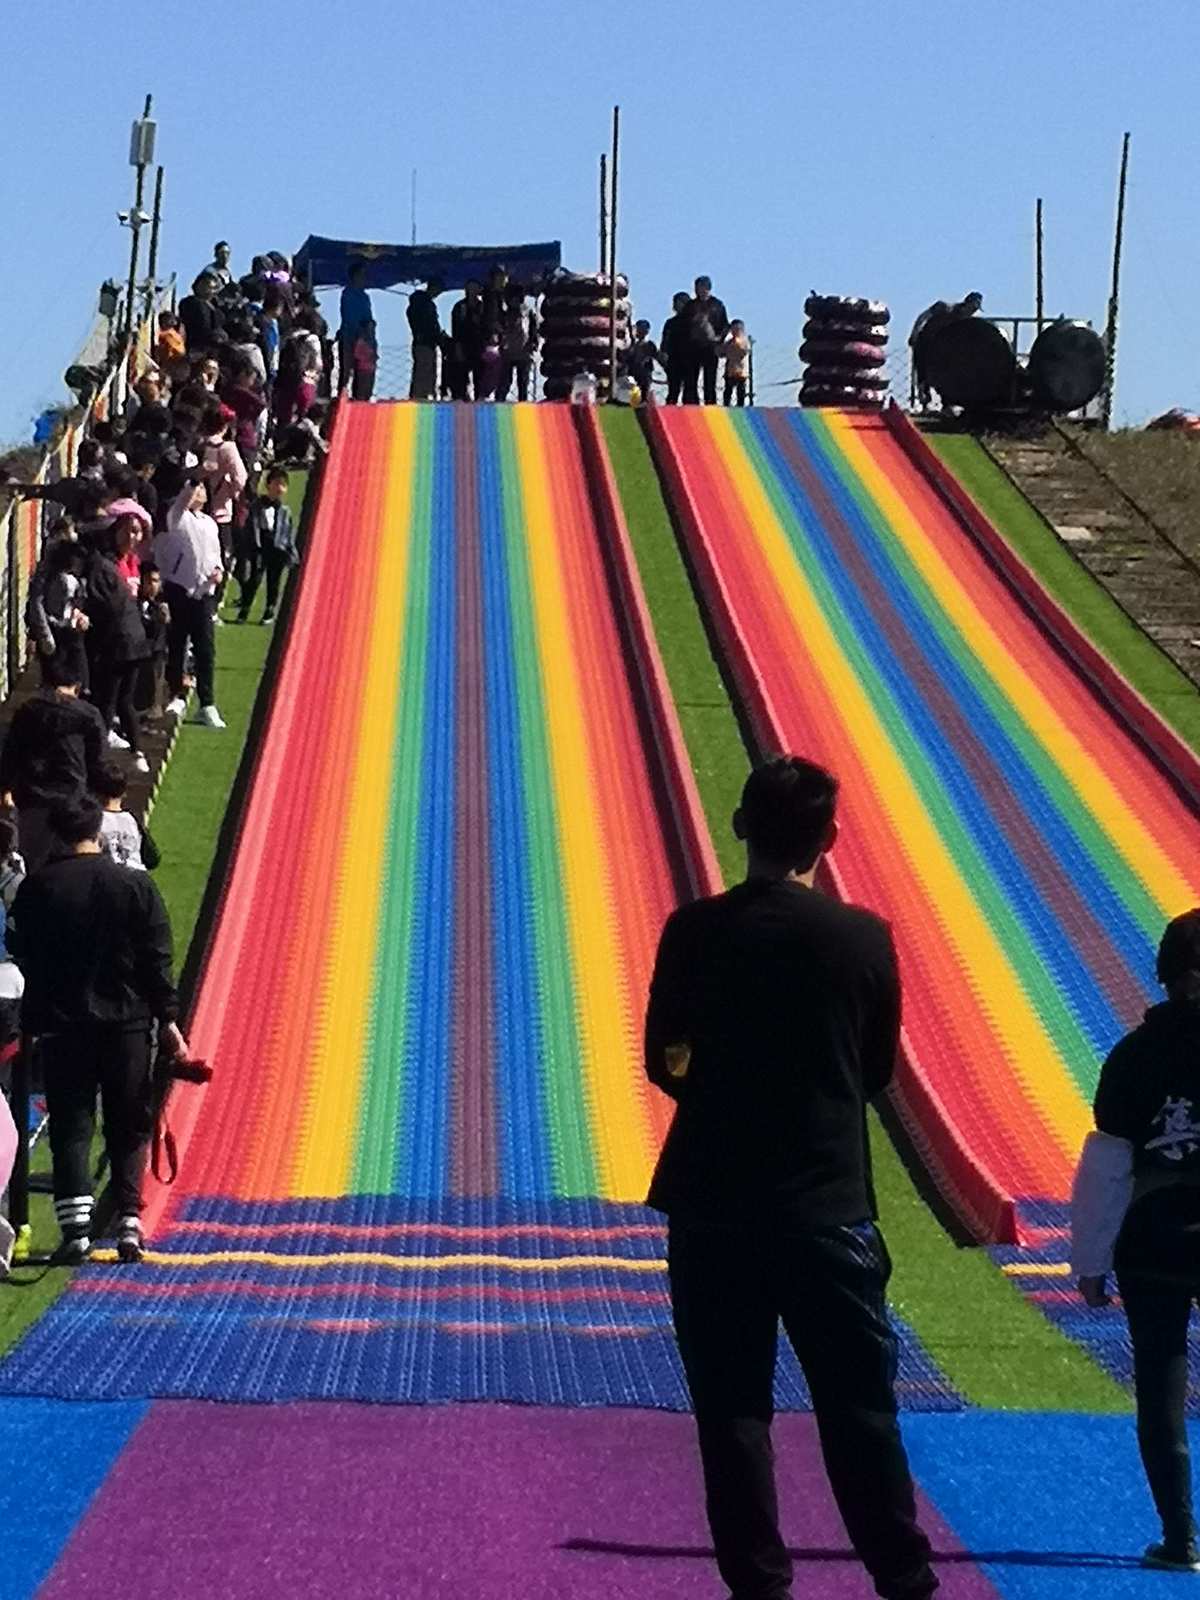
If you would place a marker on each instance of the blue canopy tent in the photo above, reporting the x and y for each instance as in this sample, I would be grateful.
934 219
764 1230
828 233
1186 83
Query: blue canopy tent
326 262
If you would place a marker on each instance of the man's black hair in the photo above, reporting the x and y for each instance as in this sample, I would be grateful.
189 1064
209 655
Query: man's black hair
76 821
356 266
60 672
91 453
147 567
703 280
221 244
788 805
121 479
109 781
1179 952
275 474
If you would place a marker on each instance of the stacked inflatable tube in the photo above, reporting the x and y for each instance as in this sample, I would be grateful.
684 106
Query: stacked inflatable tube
576 330
844 351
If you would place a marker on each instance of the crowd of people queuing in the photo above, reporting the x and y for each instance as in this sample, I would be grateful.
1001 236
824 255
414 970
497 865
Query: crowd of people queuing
488 351
175 506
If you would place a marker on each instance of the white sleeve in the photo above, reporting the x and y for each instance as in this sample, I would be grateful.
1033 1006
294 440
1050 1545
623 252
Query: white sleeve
1099 1200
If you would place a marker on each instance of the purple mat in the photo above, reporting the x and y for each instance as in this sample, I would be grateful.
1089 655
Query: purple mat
411 1503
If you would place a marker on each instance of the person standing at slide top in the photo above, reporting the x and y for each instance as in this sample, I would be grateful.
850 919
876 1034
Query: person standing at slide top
1136 1206
773 1018
707 323
355 310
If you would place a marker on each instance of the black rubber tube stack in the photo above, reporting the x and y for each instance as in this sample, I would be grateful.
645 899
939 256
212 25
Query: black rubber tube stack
576 308
844 352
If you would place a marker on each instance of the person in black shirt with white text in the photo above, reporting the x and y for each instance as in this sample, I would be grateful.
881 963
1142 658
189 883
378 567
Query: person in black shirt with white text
773 1018
94 944
1136 1206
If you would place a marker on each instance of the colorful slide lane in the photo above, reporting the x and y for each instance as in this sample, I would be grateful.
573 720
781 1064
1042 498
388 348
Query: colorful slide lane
418 1170
1022 840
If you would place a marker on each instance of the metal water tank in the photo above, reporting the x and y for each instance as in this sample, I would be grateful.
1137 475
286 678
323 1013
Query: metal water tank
1066 365
970 363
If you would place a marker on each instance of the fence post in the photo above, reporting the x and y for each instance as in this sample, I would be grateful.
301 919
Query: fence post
12 651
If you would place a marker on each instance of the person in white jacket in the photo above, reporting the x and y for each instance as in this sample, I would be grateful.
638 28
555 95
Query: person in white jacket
1136 1207
189 557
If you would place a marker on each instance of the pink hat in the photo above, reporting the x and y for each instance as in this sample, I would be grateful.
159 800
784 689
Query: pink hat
129 508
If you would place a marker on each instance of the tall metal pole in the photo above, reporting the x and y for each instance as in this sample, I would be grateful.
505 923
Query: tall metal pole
1040 269
414 205
1114 299
752 372
135 230
155 224
612 254
604 213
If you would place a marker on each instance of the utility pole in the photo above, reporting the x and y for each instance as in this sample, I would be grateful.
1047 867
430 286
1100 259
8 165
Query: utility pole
612 256
603 212
1114 299
1040 269
155 225
414 205
141 154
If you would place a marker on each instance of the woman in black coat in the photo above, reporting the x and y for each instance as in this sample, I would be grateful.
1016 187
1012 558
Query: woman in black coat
117 639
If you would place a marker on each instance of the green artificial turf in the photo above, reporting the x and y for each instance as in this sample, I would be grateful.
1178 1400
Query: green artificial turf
185 822
1153 674
990 1342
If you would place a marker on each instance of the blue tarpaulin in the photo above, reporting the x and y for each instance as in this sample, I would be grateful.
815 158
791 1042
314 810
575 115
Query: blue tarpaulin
328 262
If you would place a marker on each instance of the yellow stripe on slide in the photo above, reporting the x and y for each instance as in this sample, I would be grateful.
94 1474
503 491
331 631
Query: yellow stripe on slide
371 1258
621 1138
1016 1025
325 1151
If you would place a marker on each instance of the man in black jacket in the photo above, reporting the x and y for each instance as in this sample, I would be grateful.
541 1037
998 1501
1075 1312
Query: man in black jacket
774 1017
94 943
707 323
200 316
426 328
55 743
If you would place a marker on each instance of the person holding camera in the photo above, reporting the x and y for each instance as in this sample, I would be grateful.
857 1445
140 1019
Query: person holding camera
94 943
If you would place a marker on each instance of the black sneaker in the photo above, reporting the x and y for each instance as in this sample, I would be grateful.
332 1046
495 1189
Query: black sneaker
1172 1558
73 1251
131 1246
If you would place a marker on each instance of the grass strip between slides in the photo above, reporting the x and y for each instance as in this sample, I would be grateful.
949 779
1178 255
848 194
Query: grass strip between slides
186 823
989 1341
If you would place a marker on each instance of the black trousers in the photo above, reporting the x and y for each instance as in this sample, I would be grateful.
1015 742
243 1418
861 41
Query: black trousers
730 1288
257 561
1158 1315
69 647
191 619
521 367
674 382
115 1063
700 364
113 696
736 388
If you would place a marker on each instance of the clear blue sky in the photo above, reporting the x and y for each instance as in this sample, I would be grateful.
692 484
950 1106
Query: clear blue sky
892 150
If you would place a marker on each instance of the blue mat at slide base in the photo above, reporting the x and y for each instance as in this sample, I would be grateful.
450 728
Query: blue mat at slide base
1062 1513
413 1318
53 1458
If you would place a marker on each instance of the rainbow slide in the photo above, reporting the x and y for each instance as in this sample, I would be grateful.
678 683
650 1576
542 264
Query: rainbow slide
1026 824
429 1133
